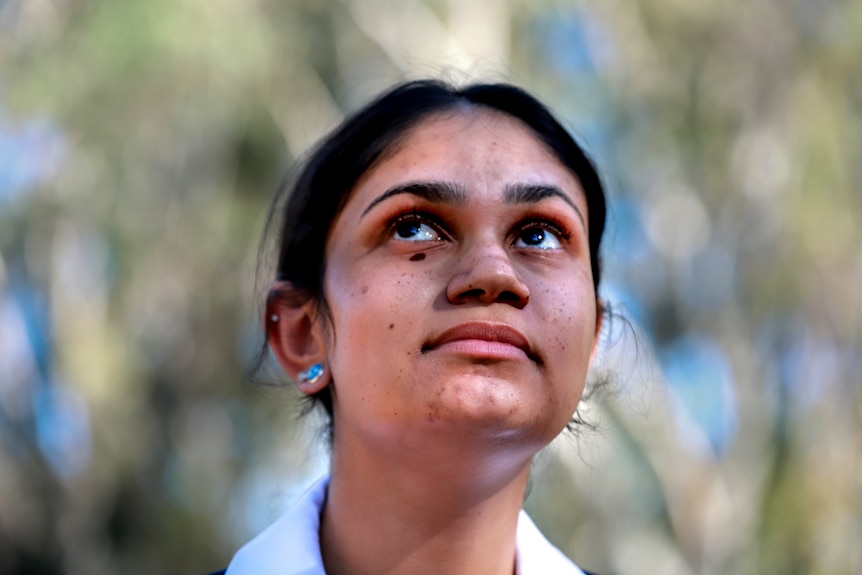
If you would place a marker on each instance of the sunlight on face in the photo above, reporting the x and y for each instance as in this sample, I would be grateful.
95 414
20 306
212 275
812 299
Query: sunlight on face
458 278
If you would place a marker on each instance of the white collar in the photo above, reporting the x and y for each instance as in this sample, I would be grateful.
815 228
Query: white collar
291 545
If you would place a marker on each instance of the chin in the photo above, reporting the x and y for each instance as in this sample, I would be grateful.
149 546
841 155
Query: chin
488 409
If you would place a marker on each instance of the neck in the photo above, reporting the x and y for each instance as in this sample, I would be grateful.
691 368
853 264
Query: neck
392 516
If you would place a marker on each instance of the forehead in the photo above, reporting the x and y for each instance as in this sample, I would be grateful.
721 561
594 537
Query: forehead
468 127
477 146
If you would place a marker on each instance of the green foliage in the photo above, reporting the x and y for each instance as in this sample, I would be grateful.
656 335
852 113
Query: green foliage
731 133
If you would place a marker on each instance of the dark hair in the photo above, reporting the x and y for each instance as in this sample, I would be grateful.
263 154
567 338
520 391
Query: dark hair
326 178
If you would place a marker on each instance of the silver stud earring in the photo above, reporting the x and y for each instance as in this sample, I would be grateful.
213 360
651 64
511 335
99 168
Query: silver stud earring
310 375
274 318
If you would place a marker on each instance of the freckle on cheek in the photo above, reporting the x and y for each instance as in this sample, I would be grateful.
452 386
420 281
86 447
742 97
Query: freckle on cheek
417 257
364 290
391 325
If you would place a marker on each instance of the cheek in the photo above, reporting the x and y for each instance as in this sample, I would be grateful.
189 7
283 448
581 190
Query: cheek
570 320
379 307
378 326
570 335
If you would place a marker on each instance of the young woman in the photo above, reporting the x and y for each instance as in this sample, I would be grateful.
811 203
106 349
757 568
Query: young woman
436 294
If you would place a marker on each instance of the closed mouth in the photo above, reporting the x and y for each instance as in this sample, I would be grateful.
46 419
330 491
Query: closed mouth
483 331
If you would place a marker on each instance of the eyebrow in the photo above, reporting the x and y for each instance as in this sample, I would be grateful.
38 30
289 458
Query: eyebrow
452 193
434 192
535 193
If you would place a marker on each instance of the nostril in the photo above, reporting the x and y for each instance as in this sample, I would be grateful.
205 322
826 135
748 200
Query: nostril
512 298
508 296
488 280
472 292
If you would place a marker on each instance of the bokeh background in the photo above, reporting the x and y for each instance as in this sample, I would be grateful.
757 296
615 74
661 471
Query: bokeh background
141 141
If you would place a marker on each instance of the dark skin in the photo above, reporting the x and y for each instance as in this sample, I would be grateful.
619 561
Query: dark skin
464 315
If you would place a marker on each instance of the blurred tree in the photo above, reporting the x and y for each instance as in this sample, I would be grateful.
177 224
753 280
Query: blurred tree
140 142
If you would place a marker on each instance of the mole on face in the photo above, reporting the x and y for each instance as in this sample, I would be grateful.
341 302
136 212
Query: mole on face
417 257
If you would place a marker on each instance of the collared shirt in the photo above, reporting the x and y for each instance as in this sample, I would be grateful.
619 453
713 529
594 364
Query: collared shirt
291 545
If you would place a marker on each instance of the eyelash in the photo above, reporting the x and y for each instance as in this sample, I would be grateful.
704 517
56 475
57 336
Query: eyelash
416 216
545 222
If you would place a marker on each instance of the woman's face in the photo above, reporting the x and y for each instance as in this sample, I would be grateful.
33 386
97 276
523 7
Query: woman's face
459 285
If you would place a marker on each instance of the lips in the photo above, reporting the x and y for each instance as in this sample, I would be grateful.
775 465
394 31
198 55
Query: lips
483 339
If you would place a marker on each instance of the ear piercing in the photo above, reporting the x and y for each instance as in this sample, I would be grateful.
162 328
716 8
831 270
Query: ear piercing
310 375
274 318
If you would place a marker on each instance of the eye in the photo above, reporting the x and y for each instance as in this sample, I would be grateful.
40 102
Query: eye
412 228
537 236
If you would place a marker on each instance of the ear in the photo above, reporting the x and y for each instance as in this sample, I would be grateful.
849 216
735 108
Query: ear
295 335
601 309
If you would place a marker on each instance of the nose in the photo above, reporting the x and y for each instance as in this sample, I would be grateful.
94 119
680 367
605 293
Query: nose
486 275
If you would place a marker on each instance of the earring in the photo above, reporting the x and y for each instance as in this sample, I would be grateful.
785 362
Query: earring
310 375
274 318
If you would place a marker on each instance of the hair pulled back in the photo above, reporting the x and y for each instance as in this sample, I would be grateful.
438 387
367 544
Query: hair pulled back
309 205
